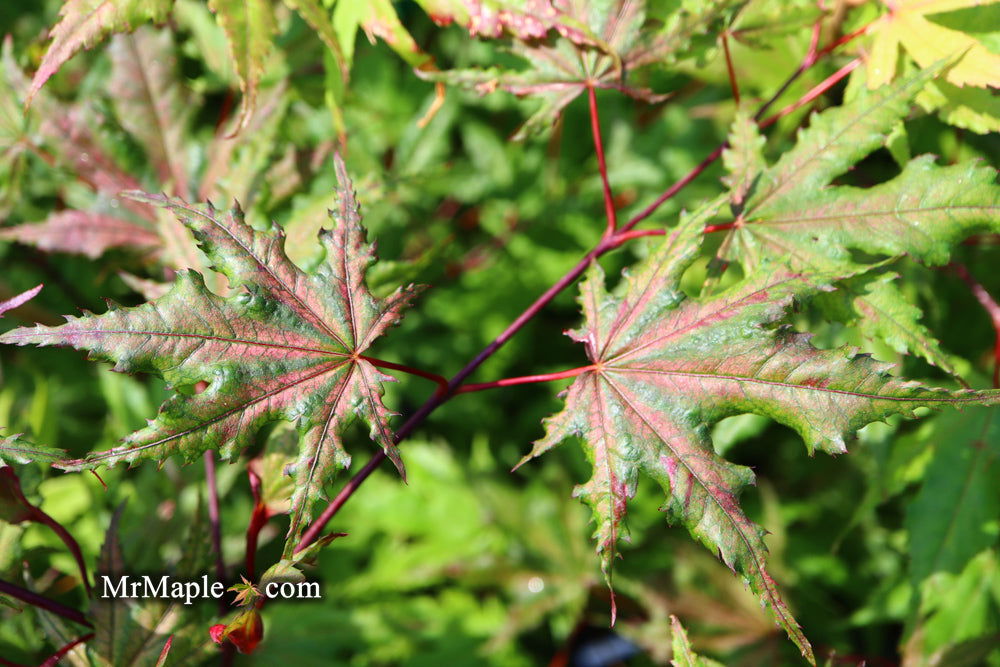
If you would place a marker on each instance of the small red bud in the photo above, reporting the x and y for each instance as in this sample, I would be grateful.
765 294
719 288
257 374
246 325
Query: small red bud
217 632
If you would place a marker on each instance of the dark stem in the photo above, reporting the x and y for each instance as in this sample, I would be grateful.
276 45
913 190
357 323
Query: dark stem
214 521
58 655
67 539
733 85
42 602
602 166
992 309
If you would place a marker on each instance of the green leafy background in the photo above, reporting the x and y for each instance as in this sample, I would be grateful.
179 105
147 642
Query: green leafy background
886 553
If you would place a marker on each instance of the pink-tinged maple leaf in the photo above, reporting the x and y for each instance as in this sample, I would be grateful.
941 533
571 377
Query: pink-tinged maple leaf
571 45
286 345
84 23
667 367
90 234
20 299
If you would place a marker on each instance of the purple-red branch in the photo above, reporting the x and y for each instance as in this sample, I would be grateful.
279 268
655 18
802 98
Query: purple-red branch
42 602
258 519
608 242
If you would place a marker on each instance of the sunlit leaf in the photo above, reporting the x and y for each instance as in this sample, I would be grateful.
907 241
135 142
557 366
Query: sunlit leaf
285 345
665 368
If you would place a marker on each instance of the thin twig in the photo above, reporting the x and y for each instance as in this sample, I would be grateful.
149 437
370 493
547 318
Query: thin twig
42 602
733 84
813 93
61 653
595 128
214 520
992 309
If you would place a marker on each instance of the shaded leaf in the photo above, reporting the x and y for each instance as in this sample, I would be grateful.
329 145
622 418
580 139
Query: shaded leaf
881 311
318 18
249 26
150 101
954 516
684 655
81 232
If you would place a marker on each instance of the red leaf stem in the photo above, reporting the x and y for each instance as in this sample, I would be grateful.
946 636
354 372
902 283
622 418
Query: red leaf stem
709 229
440 380
595 127
815 92
524 379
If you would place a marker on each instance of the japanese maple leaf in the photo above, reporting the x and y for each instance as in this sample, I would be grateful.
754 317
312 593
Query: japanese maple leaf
792 210
285 345
666 367
596 44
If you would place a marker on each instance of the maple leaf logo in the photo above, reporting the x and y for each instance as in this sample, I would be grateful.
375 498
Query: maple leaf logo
285 345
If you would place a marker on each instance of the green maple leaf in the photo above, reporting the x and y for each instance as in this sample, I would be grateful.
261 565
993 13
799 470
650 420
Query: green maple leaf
665 368
14 449
931 30
792 211
285 345
907 25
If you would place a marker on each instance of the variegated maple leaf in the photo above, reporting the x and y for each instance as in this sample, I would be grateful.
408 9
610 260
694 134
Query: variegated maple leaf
596 44
285 345
666 367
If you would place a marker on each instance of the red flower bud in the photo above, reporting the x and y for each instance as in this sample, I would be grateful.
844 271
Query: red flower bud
246 631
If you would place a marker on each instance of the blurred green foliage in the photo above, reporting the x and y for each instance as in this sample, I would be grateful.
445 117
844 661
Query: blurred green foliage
887 554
